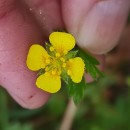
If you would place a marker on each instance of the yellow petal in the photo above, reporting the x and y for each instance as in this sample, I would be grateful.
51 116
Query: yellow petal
62 42
49 83
75 68
36 58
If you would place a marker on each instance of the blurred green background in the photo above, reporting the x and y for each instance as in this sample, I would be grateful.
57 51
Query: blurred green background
106 104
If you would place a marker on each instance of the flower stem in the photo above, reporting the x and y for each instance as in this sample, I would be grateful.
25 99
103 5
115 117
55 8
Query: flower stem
68 116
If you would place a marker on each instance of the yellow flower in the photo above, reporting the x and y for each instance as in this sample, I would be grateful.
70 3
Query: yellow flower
55 62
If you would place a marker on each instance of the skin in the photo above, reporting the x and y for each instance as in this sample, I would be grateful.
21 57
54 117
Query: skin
96 25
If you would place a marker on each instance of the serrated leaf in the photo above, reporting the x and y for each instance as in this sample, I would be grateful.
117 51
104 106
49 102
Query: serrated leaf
92 70
76 90
89 57
79 93
90 64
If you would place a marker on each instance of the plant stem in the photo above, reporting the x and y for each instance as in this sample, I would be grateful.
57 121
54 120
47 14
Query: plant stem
68 116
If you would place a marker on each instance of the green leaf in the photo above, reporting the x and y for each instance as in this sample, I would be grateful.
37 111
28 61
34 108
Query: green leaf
88 57
90 64
76 90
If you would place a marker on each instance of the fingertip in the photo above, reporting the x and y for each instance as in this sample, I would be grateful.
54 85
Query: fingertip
33 100
21 86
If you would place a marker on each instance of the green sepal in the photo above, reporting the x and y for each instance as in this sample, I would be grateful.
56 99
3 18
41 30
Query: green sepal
90 64
41 71
65 77
71 54
47 46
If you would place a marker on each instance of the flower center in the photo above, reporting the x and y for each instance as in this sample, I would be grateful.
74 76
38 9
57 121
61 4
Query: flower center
55 64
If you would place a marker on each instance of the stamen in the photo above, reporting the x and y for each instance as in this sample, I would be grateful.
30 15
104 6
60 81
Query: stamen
57 54
59 72
69 72
47 68
70 60
64 65
51 48
48 61
53 72
62 59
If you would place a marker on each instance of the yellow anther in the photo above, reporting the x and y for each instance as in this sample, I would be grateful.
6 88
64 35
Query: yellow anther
62 59
65 52
47 61
70 60
64 65
57 54
69 72
47 68
59 72
51 48
53 72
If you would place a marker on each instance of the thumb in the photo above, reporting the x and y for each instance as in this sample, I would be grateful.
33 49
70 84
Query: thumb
97 24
